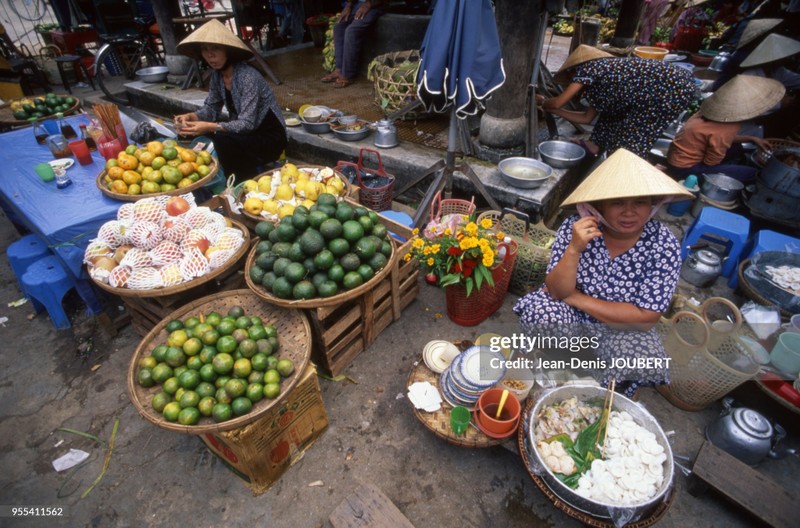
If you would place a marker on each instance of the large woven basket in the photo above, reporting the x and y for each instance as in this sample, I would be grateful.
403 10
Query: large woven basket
294 335
533 253
394 76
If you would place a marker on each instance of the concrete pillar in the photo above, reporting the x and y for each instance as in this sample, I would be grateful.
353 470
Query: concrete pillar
630 14
503 123
165 11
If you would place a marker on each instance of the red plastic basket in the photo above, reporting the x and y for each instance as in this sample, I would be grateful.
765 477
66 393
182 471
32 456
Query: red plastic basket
472 310
376 198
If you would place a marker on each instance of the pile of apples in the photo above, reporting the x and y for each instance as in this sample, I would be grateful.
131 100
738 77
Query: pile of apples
160 242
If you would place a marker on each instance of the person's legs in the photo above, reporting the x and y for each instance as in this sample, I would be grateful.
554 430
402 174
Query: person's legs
352 40
339 31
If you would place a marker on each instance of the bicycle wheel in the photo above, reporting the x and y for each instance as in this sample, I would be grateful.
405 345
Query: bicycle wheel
117 63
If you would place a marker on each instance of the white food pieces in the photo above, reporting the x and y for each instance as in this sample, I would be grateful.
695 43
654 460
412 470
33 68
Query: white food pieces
557 458
787 277
633 469
569 416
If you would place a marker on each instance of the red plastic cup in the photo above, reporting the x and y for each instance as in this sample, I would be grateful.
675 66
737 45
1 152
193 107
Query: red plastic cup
109 148
81 151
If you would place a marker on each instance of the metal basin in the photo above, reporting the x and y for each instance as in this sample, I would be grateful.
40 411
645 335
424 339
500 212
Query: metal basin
353 132
316 128
153 74
621 403
561 154
721 188
524 173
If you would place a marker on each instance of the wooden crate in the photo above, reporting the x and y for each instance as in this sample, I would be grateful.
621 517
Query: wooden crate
343 331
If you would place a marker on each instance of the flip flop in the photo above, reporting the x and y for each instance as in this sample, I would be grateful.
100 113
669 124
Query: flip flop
331 77
341 82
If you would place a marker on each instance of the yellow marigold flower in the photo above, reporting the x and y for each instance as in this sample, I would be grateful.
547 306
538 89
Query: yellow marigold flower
407 257
488 260
483 243
501 235
486 223
471 228
435 249
415 231
448 231
488 252
426 250
418 243
430 261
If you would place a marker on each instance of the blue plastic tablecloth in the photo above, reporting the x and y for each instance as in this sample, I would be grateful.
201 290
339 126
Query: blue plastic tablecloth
66 218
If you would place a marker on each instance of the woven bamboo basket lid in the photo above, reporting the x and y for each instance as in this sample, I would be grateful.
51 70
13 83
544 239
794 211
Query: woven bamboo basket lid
439 422
7 115
175 192
294 336
234 261
318 302
589 520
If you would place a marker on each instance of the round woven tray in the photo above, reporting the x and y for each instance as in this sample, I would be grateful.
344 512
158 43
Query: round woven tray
316 302
7 116
294 335
351 189
568 509
752 294
175 192
234 261
439 421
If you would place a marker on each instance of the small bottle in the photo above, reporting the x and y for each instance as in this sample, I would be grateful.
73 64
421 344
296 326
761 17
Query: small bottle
66 129
62 180
40 132
88 139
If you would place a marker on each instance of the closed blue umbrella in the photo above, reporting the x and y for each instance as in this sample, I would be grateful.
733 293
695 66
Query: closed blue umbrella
460 61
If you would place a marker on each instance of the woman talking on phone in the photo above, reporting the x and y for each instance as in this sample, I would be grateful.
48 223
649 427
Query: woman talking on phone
254 133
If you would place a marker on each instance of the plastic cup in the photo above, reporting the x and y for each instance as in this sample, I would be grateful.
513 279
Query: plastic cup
459 420
45 172
109 148
81 151
785 354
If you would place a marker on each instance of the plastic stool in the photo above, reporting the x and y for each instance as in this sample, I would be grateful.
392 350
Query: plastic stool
77 66
719 224
764 240
46 282
400 218
24 252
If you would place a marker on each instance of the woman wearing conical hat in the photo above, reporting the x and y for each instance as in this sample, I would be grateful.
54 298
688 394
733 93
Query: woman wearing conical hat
710 140
253 134
633 99
612 266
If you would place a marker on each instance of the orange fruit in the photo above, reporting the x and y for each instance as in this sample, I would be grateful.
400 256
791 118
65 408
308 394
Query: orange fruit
126 161
119 186
115 172
130 177
147 158
187 155
155 147
186 168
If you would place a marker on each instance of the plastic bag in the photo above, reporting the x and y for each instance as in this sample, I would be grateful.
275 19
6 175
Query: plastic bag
763 320
144 133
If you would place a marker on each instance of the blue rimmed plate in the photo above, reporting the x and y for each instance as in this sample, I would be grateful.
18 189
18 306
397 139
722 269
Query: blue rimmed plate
481 367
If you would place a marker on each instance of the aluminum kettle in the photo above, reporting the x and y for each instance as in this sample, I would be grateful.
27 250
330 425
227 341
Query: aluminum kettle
702 267
386 134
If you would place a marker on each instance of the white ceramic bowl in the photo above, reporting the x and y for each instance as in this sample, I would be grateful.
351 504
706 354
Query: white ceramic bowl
312 114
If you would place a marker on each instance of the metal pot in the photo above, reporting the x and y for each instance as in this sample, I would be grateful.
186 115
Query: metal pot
385 134
719 62
721 188
781 177
746 434
702 267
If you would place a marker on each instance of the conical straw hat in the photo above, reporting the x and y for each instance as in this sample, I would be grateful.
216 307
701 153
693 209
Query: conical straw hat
743 97
756 28
774 47
214 32
582 53
626 175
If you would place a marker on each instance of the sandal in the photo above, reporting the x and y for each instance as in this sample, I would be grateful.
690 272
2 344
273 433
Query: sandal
331 77
341 82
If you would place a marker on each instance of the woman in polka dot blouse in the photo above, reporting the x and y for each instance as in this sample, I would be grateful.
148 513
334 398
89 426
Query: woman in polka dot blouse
613 269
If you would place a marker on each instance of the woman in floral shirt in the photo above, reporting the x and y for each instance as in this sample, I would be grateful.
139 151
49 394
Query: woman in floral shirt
254 134
613 268
633 99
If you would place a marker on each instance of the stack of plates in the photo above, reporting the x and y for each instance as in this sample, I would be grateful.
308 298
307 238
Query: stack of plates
471 373
438 355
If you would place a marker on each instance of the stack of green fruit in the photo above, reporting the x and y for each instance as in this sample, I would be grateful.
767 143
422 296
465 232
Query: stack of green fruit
320 251
39 107
214 366
328 58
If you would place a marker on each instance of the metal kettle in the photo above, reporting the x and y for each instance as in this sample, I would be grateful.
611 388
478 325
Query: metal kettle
386 134
702 267
718 63
746 434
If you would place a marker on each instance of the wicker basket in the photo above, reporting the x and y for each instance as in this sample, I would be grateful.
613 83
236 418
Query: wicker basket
441 208
376 198
394 76
294 333
533 253
760 158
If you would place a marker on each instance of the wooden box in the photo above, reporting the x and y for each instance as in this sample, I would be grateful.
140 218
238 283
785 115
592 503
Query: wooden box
260 452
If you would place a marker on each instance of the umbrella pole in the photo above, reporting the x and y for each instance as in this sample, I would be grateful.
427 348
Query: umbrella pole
532 138
450 158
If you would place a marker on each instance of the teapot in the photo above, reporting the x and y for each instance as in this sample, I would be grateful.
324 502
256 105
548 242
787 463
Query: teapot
702 267
746 434
386 136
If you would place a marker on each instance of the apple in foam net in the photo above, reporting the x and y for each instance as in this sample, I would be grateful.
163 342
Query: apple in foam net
120 252
176 206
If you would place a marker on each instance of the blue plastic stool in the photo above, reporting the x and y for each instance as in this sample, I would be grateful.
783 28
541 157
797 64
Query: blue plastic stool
400 218
25 252
764 240
717 225
46 282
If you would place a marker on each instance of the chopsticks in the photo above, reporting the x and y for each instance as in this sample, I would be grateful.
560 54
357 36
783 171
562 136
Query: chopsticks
108 113
606 413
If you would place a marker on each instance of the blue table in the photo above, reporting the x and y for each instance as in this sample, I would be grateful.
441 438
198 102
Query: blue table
67 219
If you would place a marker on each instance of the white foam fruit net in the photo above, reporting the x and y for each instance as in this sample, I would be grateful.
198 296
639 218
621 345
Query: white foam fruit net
219 258
171 274
193 265
145 234
99 274
198 217
230 239
193 238
166 252
97 248
174 228
137 258
125 211
119 276
112 233
145 279
149 210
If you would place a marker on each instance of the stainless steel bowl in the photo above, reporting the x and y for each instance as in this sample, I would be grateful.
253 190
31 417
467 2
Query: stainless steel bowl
153 74
561 154
524 173
721 188
621 403
316 128
347 119
353 132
